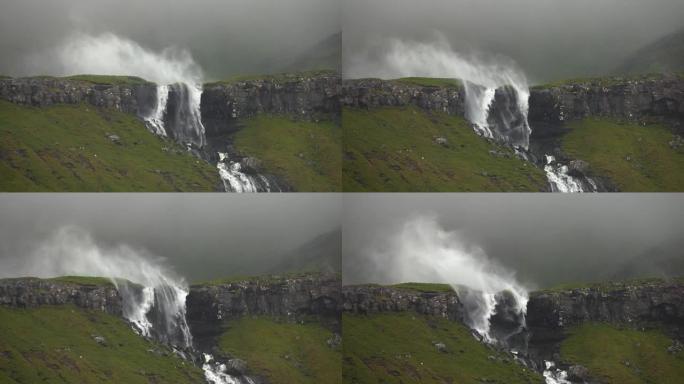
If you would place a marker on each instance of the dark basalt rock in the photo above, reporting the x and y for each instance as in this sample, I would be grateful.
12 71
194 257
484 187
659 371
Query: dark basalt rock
654 303
210 307
369 299
136 99
32 293
307 97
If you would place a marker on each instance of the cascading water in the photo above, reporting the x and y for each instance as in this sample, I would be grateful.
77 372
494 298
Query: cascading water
553 375
176 113
234 180
496 94
153 296
423 251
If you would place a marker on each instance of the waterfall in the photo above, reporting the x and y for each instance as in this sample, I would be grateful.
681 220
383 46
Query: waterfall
235 180
561 181
153 296
553 375
495 303
155 120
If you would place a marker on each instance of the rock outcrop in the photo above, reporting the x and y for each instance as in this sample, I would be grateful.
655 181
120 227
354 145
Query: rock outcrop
657 98
303 96
374 93
370 299
32 292
654 303
312 296
138 99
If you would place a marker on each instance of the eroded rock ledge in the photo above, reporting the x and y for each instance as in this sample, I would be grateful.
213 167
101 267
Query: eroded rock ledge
32 292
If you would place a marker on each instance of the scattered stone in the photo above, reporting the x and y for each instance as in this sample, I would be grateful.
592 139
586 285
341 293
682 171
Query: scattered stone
114 138
441 347
100 340
677 142
334 341
675 348
578 374
252 165
440 140
577 168
236 366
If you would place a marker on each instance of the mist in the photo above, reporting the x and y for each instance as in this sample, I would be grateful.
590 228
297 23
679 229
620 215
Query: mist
224 37
548 39
187 237
538 240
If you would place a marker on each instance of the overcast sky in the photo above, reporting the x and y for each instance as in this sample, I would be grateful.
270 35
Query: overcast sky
202 236
550 39
545 238
226 37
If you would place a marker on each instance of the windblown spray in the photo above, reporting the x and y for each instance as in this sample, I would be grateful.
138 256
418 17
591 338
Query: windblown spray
423 251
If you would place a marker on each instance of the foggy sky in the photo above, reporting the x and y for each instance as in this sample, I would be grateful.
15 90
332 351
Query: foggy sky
202 236
550 39
226 37
545 238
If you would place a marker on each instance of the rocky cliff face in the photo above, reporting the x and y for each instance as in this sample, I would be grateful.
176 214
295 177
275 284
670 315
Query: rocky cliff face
634 304
285 298
660 99
369 299
31 293
373 93
304 96
137 99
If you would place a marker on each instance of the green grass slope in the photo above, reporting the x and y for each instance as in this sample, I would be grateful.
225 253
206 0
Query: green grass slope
399 348
394 149
57 345
634 157
307 155
283 352
623 356
66 148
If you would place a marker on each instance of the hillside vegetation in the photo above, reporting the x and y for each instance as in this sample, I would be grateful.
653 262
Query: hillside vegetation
82 148
65 344
402 348
307 155
407 149
284 352
636 158
624 356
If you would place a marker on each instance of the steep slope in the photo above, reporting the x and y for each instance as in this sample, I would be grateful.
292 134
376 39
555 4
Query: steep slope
83 148
663 55
409 149
68 344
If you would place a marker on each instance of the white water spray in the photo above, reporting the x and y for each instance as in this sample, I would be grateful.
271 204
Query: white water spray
154 297
553 375
482 77
422 251
173 69
234 180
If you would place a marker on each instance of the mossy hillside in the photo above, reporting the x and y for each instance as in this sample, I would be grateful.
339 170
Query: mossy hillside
636 158
424 287
400 348
624 356
276 77
56 344
263 279
284 352
69 148
607 81
431 82
109 79
608 286
394 149
307 155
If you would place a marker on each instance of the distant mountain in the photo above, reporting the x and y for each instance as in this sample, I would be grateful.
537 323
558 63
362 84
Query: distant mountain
322 254
663 55
323 55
